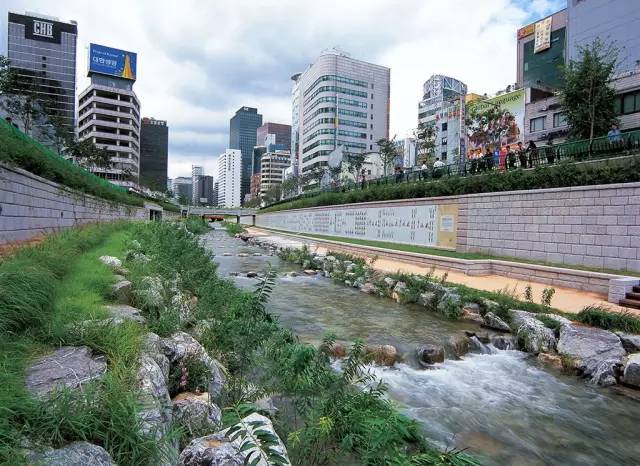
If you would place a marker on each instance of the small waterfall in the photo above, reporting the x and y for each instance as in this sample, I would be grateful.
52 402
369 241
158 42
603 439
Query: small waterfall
477 345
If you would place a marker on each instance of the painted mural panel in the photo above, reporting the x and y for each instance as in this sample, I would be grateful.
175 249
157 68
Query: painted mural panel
424 225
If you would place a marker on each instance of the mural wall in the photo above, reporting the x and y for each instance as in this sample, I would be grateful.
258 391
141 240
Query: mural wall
422 225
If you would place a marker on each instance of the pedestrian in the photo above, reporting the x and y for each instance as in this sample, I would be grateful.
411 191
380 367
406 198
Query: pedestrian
511 158
550 150
438 165
614 134
532 153
488 158
362 178
522 157
424 170
502 158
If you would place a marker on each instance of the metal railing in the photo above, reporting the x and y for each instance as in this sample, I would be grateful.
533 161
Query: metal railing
568 152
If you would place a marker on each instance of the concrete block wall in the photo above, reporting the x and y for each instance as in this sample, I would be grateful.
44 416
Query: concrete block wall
31 206
592 226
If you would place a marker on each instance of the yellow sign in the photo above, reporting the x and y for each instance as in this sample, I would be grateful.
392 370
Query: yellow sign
542 40
527 30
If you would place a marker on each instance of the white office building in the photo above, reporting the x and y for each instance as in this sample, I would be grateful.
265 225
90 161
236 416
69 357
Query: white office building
338 101
229 172
272 167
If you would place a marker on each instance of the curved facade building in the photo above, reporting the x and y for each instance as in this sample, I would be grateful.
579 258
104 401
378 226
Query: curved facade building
338 101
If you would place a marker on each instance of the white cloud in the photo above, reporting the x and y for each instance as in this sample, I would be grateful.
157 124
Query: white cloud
199 61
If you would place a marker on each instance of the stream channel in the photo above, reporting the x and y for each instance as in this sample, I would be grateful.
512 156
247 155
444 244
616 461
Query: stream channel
505 407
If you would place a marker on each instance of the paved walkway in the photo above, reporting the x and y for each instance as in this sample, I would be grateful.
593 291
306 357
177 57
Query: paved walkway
565 299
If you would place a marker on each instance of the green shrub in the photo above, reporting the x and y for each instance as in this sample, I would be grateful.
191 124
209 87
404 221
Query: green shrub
196 225
600 316
233 228
554 176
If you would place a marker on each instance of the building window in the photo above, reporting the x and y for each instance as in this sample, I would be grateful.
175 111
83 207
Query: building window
372 95
372 116
537 124
371 85
370 146
444 141
444 126
627 103
443 156
559 119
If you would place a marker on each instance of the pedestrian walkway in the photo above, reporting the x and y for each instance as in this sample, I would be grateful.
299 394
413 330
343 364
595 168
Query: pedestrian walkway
564 299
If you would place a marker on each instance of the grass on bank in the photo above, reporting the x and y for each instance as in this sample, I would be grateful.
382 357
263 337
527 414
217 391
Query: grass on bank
233 228
43 291
564 174
448 253
18 149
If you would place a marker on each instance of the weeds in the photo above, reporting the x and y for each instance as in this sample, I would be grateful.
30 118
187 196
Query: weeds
196 225
233 228
600 316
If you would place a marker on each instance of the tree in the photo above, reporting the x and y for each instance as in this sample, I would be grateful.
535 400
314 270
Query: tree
20 96
290 186
586 93
86 154
426 141
354 162
388 152
313 176
273 194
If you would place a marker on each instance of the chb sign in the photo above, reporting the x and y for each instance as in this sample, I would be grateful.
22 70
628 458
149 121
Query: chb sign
42 29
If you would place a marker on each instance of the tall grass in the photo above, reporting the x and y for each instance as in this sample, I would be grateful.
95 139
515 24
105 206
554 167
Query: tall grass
233 228
70 285
600 316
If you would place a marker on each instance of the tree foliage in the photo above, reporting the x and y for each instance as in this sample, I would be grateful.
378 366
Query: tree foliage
388 152
586 93
486 124
426 141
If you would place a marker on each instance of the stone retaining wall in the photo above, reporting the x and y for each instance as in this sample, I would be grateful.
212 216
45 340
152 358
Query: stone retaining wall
31 206
591 226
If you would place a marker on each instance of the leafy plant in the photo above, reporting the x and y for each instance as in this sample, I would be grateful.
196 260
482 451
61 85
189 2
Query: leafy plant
528 293
547 296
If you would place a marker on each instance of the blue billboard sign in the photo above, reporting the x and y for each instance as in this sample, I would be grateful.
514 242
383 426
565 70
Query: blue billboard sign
112 62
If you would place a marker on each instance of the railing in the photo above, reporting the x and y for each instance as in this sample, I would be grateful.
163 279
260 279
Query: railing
573 151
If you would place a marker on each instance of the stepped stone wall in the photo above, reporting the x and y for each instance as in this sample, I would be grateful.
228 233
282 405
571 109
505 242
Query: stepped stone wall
31 206
591 226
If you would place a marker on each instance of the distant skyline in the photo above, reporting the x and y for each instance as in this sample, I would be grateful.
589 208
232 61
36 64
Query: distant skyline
199 62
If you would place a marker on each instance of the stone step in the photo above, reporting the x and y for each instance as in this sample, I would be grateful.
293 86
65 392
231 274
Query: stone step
633 295
630 303
636 289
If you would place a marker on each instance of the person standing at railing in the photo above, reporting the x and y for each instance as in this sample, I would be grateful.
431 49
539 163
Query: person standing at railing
511 158
550 150
522 157
532 152
614 134
488 159
438 167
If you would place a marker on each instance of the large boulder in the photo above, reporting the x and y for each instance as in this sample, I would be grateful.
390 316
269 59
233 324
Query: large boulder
111 262
631 374
503 342
631 343
73 454
490 320
595 352
219 450
401 293
68 366
122 312
459 345
151 292
195 413
368 288
430 354
390 282
152 348
385 355
181 347
153 395
121 291
532 335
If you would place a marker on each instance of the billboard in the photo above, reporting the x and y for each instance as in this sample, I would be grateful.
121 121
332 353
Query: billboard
506 128
542 35
112 62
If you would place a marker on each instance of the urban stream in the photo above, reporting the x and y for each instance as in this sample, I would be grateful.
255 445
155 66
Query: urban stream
504 407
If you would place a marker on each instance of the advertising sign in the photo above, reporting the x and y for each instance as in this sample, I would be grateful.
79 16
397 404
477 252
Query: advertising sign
526 31
112 62
542 38
507 128
42 29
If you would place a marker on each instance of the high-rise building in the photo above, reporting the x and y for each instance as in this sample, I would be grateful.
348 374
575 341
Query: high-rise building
407 147
196 172
182 189
203 188
442 106
242 135
615 22
540 60
215 194
42 51
338 101
273 165
280 134
229 178
154 152
258 151
109 113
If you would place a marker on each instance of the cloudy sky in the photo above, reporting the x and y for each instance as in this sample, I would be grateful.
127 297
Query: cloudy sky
199 61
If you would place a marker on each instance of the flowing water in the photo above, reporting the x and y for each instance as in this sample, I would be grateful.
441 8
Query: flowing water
502 406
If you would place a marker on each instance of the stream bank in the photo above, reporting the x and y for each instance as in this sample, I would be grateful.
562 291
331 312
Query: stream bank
507 407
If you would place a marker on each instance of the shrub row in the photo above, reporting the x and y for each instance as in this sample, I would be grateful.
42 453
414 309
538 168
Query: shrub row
548 176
